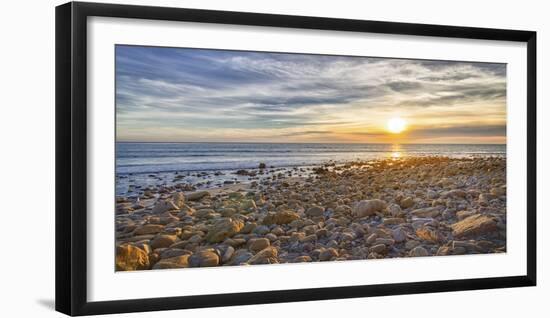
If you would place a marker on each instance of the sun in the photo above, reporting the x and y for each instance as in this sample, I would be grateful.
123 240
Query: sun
396 125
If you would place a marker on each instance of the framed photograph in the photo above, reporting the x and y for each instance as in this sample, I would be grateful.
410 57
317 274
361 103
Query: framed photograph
208 158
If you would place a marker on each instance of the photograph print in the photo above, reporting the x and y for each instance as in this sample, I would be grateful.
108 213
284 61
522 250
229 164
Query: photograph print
230 158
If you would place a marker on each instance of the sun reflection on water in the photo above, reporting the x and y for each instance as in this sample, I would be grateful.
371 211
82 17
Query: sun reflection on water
396 151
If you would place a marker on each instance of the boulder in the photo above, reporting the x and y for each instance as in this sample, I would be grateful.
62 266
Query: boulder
406 203
461 215
265 256
368 207
163 206
328 254
428 234
162 240
178 198
315 211
181 261
474 225
393 221
399 235
149 229
248 206
257 244
195 196
302 259
131 258
240 257
418 251
280 217
378 248
431 212
394 209
204 258
223 229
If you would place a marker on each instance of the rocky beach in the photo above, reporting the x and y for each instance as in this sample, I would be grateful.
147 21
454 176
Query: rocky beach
386 208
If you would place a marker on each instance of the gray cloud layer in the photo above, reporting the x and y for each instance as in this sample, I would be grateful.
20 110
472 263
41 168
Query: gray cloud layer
183 90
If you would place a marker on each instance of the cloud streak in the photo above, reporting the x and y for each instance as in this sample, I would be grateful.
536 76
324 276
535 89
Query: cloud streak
171 94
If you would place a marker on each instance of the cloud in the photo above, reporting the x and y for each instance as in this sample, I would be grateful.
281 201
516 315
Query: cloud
468 130
202 90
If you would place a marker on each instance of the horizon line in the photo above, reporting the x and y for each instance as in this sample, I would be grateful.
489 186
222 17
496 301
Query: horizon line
260 142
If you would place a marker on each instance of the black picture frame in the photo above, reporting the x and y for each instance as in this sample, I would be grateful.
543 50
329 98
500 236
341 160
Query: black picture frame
71 157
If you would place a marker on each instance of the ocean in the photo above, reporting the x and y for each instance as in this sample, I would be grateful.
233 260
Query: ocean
206 165
171 157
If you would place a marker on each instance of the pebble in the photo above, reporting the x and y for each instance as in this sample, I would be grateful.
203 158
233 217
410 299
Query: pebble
414 206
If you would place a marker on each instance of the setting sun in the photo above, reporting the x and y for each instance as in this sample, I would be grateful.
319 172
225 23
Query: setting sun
396 125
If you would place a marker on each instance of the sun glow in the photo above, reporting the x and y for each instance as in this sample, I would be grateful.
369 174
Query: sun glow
396 125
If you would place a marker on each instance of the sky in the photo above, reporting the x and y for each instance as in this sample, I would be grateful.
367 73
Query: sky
202 95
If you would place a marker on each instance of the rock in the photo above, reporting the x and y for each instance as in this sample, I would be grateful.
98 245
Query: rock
162 240
431 194
378 248
461 215
228 254
265 256
315 211
428 234
298 223
173 252
443 250
131 258
167 218
261 165
204 258
498 191
394 209
328 254
309 238
281 217
124 208
223 229
302 259
431 212
399 235
205 213
456 193
195 239
178 198
261 230
195 196
257 244
181 261
372 238
248 206
393 221
406 203
385 241
235 196
476 224
368 207
164 206
149 229
467 245
278 231
248 228
411 244
418 251
242 172
241 257
321 233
